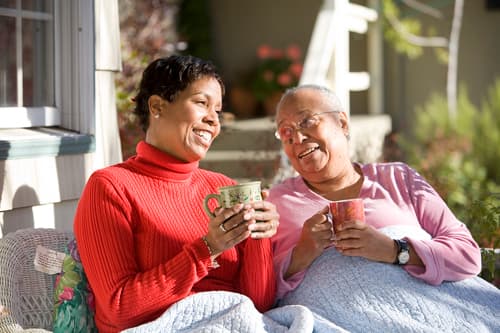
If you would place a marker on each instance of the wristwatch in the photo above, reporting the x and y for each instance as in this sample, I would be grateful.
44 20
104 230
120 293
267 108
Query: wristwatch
403 255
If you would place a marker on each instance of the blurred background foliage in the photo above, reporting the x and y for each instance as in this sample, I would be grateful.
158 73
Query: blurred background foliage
194 28
460 158
408 20
457 154
149 30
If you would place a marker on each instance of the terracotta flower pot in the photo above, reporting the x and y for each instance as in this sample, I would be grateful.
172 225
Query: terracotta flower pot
242 102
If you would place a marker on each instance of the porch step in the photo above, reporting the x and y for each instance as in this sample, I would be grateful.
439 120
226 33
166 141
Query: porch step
245 150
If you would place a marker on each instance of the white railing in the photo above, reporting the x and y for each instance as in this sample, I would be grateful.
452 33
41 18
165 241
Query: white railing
327 58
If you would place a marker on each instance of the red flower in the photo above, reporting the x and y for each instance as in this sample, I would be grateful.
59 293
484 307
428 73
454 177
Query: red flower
285 79
296 69
276 70
264 51
67 294
293 52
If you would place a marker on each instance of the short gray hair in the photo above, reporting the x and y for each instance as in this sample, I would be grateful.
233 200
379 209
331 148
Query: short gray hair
331 99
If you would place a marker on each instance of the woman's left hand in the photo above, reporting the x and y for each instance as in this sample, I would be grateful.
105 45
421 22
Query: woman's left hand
356 238
266 219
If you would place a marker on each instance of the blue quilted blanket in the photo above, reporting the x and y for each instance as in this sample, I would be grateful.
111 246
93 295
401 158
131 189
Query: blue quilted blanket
344 294
360 295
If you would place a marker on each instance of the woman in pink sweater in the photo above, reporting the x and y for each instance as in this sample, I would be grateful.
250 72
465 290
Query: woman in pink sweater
407 223
144 239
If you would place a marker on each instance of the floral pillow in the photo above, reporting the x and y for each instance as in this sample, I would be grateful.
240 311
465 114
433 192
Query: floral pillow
74 306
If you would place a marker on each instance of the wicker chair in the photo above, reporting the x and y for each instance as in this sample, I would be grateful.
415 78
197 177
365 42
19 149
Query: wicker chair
27 294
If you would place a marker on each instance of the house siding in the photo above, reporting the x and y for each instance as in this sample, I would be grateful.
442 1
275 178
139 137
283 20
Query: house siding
44 191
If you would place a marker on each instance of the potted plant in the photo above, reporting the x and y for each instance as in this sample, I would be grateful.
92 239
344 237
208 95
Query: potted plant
276 70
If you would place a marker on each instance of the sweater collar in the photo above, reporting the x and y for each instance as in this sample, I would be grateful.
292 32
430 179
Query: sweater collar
162 164
302 186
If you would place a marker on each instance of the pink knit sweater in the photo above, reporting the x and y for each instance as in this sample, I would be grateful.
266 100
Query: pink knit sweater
394 196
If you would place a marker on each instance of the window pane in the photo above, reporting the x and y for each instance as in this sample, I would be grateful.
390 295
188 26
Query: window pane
8 3
8 78
38 63
38 5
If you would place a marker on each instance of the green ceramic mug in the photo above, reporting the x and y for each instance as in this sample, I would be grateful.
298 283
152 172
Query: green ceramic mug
229 196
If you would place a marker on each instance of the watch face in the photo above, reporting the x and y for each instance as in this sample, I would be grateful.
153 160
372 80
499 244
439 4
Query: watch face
403 257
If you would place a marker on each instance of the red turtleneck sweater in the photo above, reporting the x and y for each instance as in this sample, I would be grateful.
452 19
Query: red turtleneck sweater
138 228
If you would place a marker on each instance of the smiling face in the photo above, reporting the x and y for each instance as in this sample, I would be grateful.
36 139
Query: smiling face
318 153
186 127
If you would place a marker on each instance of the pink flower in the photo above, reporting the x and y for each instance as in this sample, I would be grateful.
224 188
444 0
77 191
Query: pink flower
284 79
268 75
264 51
293 52
277 69
67 294
296 69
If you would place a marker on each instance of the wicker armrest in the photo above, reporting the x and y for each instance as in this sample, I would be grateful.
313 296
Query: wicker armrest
27 294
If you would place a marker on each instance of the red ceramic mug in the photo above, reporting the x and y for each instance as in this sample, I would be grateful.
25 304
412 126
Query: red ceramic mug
346 210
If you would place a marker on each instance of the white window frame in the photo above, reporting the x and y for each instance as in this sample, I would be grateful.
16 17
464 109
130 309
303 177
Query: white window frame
74 82
20 116
73 70
76 64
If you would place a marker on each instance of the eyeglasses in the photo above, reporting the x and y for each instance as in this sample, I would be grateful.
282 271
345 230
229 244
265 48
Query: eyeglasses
285 133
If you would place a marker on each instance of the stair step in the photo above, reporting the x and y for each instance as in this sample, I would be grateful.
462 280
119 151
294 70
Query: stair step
245 150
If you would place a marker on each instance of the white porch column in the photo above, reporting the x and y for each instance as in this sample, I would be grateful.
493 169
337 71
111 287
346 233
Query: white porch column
108 61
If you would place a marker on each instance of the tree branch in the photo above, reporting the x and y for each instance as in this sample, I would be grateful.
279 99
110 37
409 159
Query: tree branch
423 8
414 39
451 85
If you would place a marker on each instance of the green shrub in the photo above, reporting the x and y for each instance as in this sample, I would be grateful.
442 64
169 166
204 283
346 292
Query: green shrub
460 157
456 155
491 260
487 133
483 220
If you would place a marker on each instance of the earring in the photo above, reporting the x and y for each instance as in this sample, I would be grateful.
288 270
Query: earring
157 115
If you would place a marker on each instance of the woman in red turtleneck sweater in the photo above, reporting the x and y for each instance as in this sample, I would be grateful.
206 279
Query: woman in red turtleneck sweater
144 239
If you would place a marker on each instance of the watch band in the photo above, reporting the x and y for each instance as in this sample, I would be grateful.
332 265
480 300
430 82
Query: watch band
396 261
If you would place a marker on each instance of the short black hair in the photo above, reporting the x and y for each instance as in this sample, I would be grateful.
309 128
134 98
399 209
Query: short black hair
166 77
